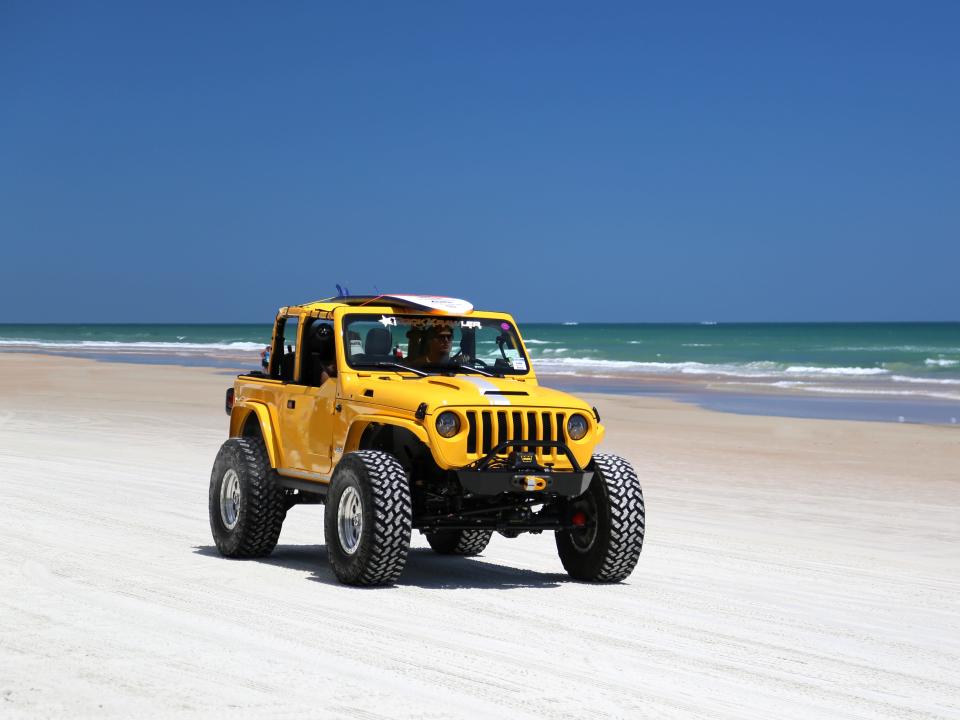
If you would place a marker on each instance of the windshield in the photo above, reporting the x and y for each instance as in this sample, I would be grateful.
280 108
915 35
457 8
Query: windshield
432 344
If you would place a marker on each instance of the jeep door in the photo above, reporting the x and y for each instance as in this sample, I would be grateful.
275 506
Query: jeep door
306 413
306 421
323 402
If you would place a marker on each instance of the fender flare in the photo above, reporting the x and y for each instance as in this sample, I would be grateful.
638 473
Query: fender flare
241 411
362 422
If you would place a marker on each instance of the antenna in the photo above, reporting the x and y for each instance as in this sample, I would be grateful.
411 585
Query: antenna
342 291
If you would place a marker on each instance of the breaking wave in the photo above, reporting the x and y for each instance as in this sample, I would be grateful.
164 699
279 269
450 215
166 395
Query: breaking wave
552 365
690 367
926 381
803 370
145 346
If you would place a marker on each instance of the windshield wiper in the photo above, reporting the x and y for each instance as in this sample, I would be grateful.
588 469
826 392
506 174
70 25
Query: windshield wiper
470 368
393 366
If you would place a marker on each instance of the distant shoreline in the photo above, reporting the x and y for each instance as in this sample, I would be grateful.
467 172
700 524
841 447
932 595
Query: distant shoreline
709 392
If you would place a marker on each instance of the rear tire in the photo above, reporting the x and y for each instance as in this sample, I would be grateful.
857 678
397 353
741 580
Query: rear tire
459 542
246 506
368 518
607 550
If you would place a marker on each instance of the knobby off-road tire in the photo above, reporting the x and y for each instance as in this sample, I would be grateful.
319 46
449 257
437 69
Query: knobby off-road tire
368 518
249 525
459 542
609 551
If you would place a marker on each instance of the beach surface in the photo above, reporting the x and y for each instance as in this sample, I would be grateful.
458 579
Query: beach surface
793 568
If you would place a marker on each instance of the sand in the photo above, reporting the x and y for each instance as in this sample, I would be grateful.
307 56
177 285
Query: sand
792 569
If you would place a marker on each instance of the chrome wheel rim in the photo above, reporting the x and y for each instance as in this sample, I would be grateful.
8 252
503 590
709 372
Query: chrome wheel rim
230 499
350 520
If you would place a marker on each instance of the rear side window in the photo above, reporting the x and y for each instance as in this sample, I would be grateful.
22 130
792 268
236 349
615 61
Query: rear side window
285 350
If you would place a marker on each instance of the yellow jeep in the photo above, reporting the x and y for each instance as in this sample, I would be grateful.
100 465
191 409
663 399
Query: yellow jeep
414 412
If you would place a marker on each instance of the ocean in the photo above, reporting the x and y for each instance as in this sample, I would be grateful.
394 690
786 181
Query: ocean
883 371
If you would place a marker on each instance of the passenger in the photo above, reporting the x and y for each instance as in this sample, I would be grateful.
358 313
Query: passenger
323 361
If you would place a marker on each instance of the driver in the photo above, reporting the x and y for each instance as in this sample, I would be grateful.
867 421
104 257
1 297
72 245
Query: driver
437 341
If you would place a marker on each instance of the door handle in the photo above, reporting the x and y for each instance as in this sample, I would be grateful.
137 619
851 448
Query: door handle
291 404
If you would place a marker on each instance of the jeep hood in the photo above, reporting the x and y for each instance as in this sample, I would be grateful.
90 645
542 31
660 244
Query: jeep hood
439 391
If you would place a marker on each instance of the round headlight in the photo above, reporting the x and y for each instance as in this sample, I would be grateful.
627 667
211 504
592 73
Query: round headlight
577 427
448 424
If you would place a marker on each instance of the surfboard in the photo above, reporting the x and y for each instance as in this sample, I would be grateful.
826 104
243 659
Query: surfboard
431 303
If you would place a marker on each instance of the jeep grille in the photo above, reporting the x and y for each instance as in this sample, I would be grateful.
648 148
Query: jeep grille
488 428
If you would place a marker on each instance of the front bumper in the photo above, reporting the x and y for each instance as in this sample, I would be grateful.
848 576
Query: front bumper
487 483
520 473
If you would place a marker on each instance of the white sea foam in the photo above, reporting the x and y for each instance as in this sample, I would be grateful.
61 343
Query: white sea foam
924 381
894 348
756 369
697 344
589 367
540 342
804 370
118 346
941 362
590 363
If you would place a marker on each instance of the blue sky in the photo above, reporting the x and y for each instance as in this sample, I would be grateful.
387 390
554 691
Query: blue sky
584 161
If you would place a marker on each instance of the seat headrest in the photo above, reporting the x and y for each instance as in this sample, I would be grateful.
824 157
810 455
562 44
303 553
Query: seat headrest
321 341
379 341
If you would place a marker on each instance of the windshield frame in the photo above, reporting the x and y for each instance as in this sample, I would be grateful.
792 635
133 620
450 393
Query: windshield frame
435 369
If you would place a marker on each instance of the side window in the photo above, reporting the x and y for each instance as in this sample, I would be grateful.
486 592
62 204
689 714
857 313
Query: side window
288 349
369 340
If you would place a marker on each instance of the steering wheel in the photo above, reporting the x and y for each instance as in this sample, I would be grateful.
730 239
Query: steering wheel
461 359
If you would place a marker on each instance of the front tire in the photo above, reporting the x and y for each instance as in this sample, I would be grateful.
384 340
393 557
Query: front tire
368 518
608 547
459 542
246 507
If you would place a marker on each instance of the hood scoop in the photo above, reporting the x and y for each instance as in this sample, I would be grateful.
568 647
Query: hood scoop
506 392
